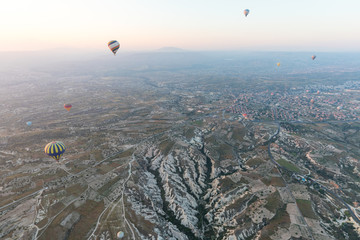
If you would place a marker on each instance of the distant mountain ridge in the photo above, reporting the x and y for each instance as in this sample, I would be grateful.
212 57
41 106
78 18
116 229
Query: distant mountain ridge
170 49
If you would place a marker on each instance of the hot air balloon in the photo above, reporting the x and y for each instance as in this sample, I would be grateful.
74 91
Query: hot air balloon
318 92
312 101
278 64
313 57
246 12
28 123
245 115
114 46
120 234
55 150
67 106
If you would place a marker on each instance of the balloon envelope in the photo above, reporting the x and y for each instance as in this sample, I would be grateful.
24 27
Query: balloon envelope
246 12
114 46
120 234
67 106
29 123
278 64
313 57
55 149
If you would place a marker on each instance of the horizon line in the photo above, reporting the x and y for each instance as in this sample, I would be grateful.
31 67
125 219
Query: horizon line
170 49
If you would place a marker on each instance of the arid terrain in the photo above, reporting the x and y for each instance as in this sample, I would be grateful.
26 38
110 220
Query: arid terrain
181 146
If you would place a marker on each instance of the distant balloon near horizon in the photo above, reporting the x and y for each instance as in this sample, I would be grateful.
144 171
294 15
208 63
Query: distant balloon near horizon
313 57
120 235
246 12
29 123
67 106
114 46
278 64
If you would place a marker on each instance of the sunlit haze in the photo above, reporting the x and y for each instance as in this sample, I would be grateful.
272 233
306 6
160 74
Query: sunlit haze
284 25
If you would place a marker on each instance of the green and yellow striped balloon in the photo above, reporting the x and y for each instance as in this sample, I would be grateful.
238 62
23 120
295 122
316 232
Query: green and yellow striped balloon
55 150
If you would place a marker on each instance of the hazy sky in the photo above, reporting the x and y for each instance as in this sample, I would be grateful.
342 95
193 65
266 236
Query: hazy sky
288 25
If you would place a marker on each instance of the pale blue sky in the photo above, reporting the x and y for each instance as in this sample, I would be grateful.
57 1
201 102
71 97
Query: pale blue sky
286 25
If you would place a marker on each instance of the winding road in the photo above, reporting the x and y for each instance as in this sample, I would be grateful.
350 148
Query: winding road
20 200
